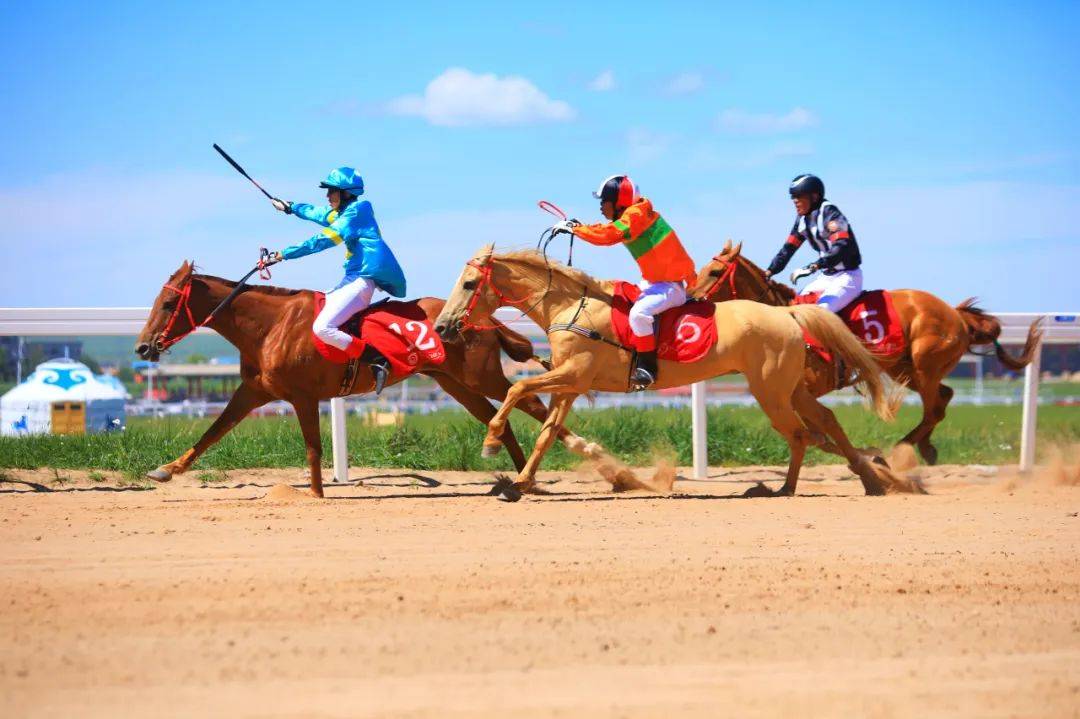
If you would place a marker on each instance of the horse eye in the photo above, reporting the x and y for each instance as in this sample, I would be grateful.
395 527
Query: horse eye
470 285
714 273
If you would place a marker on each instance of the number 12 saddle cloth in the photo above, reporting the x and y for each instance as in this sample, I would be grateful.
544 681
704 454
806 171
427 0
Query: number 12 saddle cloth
400 331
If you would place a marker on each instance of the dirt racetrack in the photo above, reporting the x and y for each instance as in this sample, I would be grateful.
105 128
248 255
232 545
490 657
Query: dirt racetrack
410 597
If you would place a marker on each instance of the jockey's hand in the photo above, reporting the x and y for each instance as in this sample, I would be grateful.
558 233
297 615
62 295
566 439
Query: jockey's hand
564 227
804 272
282 206
269 258
768 274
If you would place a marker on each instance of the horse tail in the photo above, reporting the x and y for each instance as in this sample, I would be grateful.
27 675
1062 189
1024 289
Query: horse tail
517 346
831 331
984 328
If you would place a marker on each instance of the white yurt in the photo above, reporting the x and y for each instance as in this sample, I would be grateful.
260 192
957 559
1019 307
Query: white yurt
63 396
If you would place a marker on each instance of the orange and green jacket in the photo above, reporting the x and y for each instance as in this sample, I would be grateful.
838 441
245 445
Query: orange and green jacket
650 240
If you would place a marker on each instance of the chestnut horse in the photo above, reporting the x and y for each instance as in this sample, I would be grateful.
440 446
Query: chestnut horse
271 327
936 334
763 343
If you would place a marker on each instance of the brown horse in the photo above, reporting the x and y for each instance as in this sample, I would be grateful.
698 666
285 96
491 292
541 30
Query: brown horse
272 329
936 334
763 343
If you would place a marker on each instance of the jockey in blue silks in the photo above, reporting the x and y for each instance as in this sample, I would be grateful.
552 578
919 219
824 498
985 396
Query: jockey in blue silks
369 263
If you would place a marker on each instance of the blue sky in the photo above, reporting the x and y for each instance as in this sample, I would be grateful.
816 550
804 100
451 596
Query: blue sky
946 134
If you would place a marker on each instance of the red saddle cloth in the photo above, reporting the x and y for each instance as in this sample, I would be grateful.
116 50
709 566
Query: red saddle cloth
686 333
872 318
399 330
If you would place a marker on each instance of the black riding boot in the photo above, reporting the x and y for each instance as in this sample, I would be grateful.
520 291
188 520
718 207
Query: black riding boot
645 372
380 367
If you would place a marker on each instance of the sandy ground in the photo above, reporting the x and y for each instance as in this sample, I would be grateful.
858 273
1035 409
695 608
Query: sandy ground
412 596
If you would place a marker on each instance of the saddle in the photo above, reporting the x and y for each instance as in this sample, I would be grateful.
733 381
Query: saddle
872 318
400 331
686 333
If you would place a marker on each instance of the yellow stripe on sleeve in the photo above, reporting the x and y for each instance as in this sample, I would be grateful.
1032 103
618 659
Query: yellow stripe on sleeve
334 237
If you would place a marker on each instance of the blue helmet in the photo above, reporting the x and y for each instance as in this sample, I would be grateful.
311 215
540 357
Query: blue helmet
344 178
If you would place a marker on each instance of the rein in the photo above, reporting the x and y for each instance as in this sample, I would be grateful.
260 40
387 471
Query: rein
486 279
164 342
728 275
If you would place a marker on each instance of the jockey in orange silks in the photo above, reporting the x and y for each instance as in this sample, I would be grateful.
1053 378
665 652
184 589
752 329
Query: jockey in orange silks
666 268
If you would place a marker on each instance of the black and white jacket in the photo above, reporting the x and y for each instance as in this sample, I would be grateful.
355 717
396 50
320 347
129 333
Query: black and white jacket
828 232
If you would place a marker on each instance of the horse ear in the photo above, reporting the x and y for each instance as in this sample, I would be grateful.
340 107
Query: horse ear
484 252
737 250
727 247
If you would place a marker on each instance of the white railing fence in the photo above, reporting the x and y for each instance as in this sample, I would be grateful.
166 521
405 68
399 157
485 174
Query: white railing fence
1059 328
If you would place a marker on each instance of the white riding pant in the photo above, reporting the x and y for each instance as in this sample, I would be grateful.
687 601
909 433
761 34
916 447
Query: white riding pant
341 304
655 298
835 292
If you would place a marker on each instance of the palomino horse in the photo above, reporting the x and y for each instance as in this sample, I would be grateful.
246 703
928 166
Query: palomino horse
937 336
763 343
272 329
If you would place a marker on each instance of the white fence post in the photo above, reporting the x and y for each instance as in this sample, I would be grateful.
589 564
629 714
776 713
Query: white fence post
1031 407
699 430
338 441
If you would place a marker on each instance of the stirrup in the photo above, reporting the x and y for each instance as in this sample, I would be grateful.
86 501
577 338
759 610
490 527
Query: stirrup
641 378
381 372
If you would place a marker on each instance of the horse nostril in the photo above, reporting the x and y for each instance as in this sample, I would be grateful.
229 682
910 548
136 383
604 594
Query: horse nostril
440 327
141 349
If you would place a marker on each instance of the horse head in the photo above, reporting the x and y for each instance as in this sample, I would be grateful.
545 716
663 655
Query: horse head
170 318
716 280
473 297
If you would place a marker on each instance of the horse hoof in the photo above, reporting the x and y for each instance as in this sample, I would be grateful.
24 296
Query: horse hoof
511 493
491 450
759 490
929 454
878 459
159 475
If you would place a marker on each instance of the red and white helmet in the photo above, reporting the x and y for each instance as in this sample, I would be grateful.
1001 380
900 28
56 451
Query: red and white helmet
618 189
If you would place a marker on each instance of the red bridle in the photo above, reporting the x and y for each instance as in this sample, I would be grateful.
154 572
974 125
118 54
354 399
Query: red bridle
163 341
728 275
485 279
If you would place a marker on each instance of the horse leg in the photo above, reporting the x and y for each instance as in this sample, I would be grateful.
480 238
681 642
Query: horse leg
244 399
571 376
307 414
526 482
935 397
818 415
785 421
483 411
926 448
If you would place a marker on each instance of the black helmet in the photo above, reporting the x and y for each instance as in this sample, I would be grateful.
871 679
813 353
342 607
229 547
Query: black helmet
806 185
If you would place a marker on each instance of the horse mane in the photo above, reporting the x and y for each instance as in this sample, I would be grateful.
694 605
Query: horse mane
537 261
261 289
785 292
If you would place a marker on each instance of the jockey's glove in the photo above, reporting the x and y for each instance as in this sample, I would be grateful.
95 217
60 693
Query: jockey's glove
565 226
282 206
804 272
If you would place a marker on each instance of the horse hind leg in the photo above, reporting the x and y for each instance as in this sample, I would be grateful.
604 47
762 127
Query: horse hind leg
876 477
927 449
784 420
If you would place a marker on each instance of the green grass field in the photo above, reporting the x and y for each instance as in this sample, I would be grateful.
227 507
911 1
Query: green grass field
451 440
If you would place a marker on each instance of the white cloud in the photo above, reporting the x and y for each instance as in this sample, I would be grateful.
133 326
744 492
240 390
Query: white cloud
742 122
460 98
645 145
603 82
685 83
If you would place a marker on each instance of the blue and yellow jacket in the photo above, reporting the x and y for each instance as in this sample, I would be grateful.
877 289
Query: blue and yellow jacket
366 254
